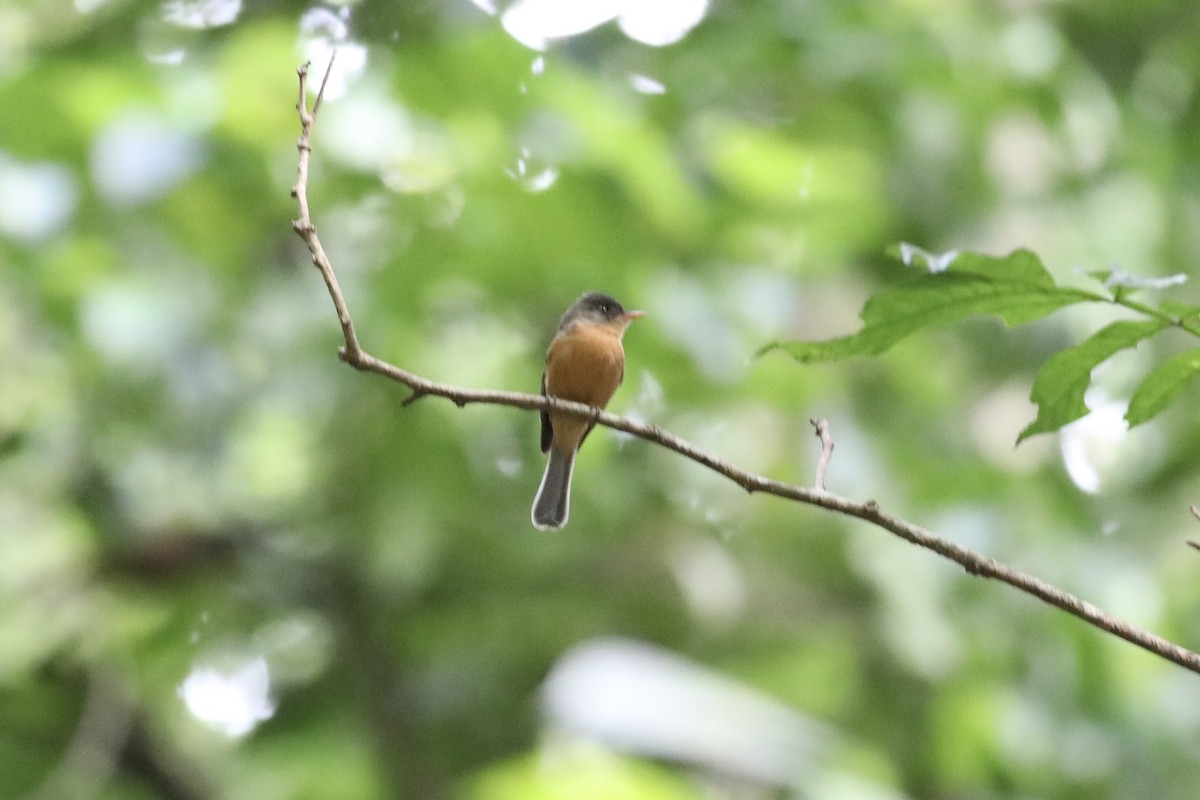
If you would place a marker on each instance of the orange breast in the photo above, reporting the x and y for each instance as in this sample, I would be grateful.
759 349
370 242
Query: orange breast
585 364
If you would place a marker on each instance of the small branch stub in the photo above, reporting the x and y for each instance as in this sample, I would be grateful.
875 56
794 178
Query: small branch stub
821 428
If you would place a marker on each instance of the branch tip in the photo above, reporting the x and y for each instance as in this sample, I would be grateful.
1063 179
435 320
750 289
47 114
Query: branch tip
324 81
821 428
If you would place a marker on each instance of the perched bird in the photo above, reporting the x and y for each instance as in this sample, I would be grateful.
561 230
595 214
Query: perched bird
585 363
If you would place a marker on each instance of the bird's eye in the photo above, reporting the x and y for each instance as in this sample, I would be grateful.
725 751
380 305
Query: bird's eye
605 308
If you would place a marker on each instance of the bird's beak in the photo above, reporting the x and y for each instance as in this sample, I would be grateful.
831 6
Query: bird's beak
630 316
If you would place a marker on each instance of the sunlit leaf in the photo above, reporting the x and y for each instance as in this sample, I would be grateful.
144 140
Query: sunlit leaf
1162 386
1017 288
910 254
1120 278
1063 380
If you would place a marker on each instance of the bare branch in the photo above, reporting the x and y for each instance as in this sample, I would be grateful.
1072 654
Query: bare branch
975 563
304 227
821 427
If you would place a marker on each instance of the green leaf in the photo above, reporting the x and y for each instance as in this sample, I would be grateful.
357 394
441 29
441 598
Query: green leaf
1162 386
1017 288
1019 267
1183 311
1062 381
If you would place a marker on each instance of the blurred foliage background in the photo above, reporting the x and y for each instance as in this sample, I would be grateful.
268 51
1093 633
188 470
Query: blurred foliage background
230 567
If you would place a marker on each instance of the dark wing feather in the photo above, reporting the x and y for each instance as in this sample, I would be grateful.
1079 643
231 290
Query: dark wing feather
547 428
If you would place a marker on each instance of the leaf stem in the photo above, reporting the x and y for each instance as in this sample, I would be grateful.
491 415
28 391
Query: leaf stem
1157 313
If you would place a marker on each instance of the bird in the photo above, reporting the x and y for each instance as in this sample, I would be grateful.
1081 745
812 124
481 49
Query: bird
585 363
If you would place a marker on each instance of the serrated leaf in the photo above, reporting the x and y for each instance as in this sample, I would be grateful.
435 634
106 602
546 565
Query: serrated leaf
1019 266
1162 386
1062 381
1017 288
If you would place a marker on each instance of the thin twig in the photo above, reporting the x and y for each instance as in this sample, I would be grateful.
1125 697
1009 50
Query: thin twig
821 428
324 83
303 226
975 563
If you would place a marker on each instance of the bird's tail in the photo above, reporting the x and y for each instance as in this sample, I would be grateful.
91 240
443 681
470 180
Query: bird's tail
553 500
